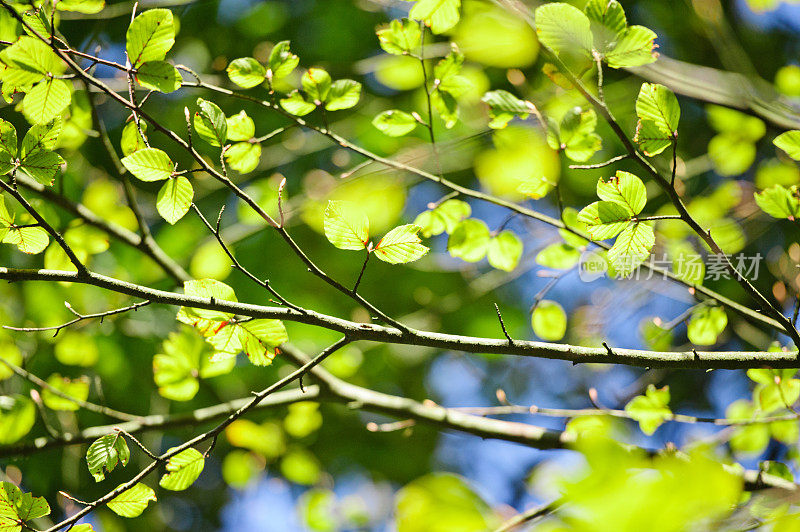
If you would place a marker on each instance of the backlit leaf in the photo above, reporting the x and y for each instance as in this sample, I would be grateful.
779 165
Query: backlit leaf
46 101
247 72
182 470
343 94
564 28
549 321
706 324
210 123
150 36
400 37
439 15
469 240
650 409
149 164
105 453
344 227
504 251
624 188
175 199
779 201
401 245
159 75
132 502
604 219
17 416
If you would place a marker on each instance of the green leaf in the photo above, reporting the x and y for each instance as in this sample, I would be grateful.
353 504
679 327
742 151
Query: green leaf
737 123
706 324
439 15
150 36
210 123
632 247
131 139
504 106
8 144
88 7
105 453
730 154
149 164
175 199
240 127
444 218
504 251
38 21
184 358
576 135
447 107
442 498
46 101
650 409
30 240
17 416
558 256
247 72
210 289
790 143
281 61
42 166
345 227
160 76
244 156
75 388
535 188
402 37
564 29
635 48
395 123
296 104
259 338
778 395
41 137
401 245
604 219
469 240
549 321
182 470
446 73
343 94
27 61
659 115
316 84
132 502
16 507
608 22
779 201
624 188
747 439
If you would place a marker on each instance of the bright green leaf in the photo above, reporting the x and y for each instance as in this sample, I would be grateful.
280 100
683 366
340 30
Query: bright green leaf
150 36
604 219
469 240
439 15
395 123
132 502
105 453
401 245
175 199
46 101
549 321
706 324
564 28
790 143
149 164
344 227
247 72
650 409
210 123
779 201
504 251
401 37
159 76
182 470
624 188
75 388
281 61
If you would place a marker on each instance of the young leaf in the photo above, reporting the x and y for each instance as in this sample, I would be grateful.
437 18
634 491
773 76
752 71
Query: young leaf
635 48
444 218
182 359
439 15
706 324
535 188
42 166
132 502
650 409
17 416
149 164
632 247
8 145
345 228
75 388
132 140
469 240
175 199
150 36
41 137
558 256
395 123
604 219
608 22
296 104
789 142
402 37
504 251
244 156
182 470
105 453
210 123
259 338
576 135
211 289
16 507
659 114
30 240
564 28
344 94
549 321
281 61
316 83
779 201
160 76
401 245
624 188
247 72
447 74
27 61
504 106
46 101
240 127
